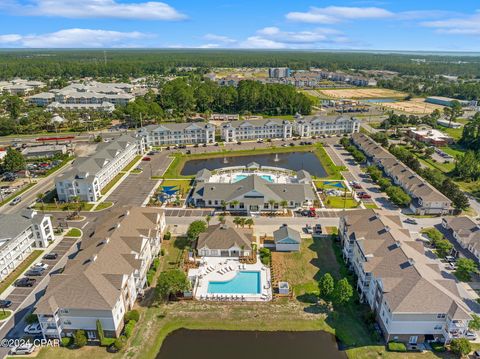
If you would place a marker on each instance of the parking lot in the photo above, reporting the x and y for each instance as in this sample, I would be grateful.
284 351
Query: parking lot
18 295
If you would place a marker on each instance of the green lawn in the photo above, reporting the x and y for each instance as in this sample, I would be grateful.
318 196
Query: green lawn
103 205
455 133
131 164
17 193
12 277
5 314
371 205
340 202
112 183
74 232
51 207
182 185
453 150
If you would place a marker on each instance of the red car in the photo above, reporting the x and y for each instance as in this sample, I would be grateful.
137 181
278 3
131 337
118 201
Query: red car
146 159
356 186
364 195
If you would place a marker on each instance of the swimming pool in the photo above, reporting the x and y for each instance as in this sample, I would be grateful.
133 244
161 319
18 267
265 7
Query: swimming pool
247 282
336 184
267 178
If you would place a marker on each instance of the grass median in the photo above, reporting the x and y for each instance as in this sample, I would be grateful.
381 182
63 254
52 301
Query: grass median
131 164
112 183
12 277
74 232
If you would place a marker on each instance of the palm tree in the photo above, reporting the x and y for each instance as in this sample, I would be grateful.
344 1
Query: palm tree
236 221
221 219
284 204
208 219
272 203
234 203
249 222
224 205
242 222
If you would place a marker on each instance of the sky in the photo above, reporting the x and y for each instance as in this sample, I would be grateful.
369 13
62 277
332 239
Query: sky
403 25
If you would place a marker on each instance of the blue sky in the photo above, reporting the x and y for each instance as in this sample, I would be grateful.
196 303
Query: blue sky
263 24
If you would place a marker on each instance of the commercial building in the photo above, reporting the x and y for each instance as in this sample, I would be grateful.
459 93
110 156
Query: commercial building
90 175
20 233
102 281
253 190
430 136
466 232
447 101
426 199
44 151
257 129
279 72
412 300
320 125
178 133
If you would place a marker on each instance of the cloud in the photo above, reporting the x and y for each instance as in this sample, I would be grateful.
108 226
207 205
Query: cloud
275 38
209 46
468 25
336 14
219 38
74 38
152 10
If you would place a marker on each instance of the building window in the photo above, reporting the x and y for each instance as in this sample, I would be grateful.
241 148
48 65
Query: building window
441 316
437 327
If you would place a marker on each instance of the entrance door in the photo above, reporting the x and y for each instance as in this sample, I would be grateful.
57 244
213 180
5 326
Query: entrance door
253 208
413 339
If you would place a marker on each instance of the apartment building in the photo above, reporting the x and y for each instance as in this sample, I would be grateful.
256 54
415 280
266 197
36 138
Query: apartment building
90 174
20 87
466 232
20 233
426 199
258 129
412 301
178 133
103 280
90 95
320 125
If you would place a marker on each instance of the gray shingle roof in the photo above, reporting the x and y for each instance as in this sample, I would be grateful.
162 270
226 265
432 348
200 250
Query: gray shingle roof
222 237
285 232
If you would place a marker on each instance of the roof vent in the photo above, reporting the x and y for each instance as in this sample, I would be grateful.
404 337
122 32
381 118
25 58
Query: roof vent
387 229
411 261
398 243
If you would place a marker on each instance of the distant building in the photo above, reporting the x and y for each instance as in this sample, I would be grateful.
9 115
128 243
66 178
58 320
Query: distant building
466 232
20 233
44 151
320 125
90 175
431 136
224 117
446 123
20 87
170 133
256 129
279 72
446 101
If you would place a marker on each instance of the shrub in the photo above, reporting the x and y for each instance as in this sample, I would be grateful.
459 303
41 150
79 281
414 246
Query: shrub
396 347
438 347
265 255
67 341
150 276
132 315
80 338
31 319
101 335
460 346
129 327
167 236
162 252
119 343
155 264
106 342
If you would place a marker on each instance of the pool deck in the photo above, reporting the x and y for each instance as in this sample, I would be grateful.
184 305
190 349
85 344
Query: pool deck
236 175
222 269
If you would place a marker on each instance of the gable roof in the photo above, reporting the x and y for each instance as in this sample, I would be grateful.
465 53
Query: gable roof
222 237
286 233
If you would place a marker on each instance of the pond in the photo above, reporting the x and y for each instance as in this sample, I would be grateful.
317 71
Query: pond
294 161
223 344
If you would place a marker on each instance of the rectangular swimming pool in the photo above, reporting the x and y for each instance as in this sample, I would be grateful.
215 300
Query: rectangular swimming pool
267 178
247 282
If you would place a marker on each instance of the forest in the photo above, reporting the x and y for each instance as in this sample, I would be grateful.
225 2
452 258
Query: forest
45 64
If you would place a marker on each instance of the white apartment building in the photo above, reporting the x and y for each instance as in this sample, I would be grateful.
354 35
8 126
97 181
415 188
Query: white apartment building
90 174
20 87
102 282
466 232
178 133
19 234
256 129
412 301
319 125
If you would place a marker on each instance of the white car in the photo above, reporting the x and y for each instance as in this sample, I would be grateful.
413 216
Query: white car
33 329
40 265
24 349
471 335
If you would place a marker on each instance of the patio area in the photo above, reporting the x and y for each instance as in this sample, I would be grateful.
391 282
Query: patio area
226 279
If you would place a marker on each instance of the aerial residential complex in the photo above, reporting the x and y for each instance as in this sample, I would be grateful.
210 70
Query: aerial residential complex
91 95
178 134
258 129
103 280
466 232
412 300
20 87
426 199
90 174
20 233
319 125
253 189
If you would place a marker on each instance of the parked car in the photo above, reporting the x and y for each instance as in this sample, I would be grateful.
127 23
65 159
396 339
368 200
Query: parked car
292 144
23 349
195 145
25 282
356 186
40 265
4 303
410 221
168 148
363 195
50 256
34 328
146 159
16 200
471 335
150 153
34 272
259 140
317 229
308 229
239 142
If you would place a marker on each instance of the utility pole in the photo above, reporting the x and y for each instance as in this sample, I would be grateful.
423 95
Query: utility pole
105 57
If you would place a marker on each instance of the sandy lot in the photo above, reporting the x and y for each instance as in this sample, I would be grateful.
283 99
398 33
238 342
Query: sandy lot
363 93
414 106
